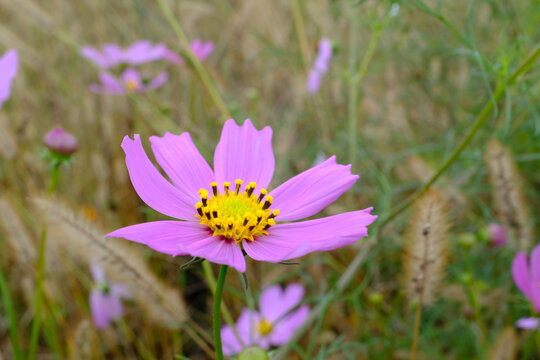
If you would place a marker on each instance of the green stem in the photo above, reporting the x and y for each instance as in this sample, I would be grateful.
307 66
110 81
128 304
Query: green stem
36 323
55 177
199 69
479 122
10 311
217 311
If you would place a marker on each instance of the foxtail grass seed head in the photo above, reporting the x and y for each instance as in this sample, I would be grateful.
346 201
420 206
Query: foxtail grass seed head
273 325
425 253
9 64
505 346
511 208
229 210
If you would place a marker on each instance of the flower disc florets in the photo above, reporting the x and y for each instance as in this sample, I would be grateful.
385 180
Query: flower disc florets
236 214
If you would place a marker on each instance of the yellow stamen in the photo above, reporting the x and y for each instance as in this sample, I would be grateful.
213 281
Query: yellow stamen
264 327
131 85
237 216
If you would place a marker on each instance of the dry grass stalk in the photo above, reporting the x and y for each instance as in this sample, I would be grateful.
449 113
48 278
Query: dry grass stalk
510 206
425 253
83 343
84 241
505 345
16 234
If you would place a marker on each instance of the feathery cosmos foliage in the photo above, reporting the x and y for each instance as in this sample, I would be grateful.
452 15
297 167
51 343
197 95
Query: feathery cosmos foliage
229 210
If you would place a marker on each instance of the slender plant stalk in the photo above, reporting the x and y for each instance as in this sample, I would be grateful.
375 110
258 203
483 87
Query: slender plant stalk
207 268
417 319
10 312
197 66
300 33
477 125
217 311
36 323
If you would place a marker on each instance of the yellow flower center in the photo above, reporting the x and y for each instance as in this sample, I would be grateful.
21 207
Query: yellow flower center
236 215
264 327
131 85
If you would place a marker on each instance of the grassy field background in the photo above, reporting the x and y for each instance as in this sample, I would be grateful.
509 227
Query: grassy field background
401 95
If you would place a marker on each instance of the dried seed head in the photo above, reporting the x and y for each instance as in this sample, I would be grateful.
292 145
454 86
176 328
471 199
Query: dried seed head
425 251
505 345
510 206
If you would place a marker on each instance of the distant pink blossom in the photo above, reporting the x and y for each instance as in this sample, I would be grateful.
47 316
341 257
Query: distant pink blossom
497 234
9 63
106 299
320 67
138 53
273 325
60 141
527 277
228 210
130 81
200 48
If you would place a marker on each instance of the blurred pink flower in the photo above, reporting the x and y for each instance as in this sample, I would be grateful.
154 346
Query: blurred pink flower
225 218
130 81
60 141
106 299
320 67
527 277
497 234
200 48
8 69
111 55
273 325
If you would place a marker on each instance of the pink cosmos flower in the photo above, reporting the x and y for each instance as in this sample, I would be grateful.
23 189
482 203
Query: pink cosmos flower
111 55
527 277
60 141
200 48
230 209
497 234
130 81
105 299
320 67
273 325
8 69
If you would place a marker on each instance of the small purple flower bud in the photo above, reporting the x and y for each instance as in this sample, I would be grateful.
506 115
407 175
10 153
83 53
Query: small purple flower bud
61 142
497 234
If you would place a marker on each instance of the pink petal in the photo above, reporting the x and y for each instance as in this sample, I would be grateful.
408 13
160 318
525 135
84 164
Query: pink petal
311 191
9 64
528 323
120 291
173 57
98 307
284 329
183 163
95 56
247 329
151 186
275 303
97 272
202 49
143 51
535 264
520 273
313 82
230 343
220 251
157 81
169 237
244 153
289 241
111 85
113 53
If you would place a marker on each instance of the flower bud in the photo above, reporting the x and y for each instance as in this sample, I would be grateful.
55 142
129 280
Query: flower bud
497 234
253 353
60 142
